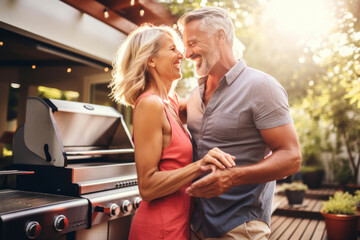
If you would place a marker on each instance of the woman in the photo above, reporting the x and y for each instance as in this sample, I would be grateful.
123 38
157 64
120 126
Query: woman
146 66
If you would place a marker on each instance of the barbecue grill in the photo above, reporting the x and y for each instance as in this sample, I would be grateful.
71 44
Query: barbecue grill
81 151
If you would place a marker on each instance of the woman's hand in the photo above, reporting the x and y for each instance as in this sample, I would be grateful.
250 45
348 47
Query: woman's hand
218 158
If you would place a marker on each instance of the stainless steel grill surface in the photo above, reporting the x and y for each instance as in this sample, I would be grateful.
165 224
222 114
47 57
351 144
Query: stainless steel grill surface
29 215
79 150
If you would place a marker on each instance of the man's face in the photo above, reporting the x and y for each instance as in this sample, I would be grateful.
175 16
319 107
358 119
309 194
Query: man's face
200 48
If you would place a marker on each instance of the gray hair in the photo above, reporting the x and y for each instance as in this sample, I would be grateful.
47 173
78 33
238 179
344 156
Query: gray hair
212 19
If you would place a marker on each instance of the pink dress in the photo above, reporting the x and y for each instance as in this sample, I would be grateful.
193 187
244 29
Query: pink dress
167 217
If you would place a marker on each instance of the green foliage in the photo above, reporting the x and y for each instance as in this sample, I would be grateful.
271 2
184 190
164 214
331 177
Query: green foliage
54 93
341 203
344 173
294 186
310 137
333 96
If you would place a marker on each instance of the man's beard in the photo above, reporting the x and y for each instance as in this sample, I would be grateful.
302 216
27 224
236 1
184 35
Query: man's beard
208 61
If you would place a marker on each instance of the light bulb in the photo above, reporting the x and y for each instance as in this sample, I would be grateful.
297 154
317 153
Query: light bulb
142 12
106 14
15 85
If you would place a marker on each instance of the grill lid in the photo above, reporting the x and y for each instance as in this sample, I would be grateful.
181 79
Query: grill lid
57 131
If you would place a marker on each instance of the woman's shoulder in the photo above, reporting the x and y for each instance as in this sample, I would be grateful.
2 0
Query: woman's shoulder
150 104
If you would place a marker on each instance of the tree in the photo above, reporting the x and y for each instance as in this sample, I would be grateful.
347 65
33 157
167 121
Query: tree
334 95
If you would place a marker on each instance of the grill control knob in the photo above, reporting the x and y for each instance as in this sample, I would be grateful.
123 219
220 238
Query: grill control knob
137 202
60 223
112 210
126 206
32 229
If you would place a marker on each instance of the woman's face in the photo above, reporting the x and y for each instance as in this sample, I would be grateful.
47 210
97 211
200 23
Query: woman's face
168 59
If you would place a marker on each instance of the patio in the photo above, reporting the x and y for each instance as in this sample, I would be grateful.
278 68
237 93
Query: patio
302 222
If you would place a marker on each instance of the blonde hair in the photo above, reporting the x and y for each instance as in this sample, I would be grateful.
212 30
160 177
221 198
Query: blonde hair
130 70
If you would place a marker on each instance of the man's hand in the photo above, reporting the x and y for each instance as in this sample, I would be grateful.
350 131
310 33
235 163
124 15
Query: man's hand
214 184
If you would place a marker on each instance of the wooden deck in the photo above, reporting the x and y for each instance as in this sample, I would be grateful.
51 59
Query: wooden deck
300 222
309 209
285 228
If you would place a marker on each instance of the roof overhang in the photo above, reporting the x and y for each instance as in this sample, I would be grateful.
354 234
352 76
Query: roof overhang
124 15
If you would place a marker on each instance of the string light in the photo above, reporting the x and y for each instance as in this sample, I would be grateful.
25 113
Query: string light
68 70
132 2
15 85
106 14
106 69
33 66
142 12
1 43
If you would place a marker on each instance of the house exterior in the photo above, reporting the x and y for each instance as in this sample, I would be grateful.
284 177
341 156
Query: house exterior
66 45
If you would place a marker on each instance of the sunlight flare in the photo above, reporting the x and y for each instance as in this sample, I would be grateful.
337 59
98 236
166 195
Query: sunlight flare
302 18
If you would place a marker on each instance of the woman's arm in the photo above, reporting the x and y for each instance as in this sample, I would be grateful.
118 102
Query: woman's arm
149 123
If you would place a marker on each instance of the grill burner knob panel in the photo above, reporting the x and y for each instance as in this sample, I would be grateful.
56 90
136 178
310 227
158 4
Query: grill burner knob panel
32 229
60 223
137 202
126 206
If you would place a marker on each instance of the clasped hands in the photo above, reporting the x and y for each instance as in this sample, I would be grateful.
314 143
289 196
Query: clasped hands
219 180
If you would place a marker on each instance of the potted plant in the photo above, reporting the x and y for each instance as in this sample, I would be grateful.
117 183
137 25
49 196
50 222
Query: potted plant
340 215
312 169
312 175
294 192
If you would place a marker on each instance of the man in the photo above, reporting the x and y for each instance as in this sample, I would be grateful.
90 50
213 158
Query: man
245 113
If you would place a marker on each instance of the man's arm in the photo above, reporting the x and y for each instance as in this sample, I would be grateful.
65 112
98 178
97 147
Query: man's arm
284 161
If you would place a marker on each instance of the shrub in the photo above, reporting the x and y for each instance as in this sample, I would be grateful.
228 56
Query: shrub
341 203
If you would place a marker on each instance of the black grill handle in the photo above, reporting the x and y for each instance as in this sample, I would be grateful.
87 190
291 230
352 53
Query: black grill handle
47 154
50 104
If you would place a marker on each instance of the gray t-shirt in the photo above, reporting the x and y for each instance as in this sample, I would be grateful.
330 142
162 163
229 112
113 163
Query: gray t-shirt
245 101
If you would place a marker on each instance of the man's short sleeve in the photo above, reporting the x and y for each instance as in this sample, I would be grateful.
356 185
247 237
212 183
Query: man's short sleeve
271 108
